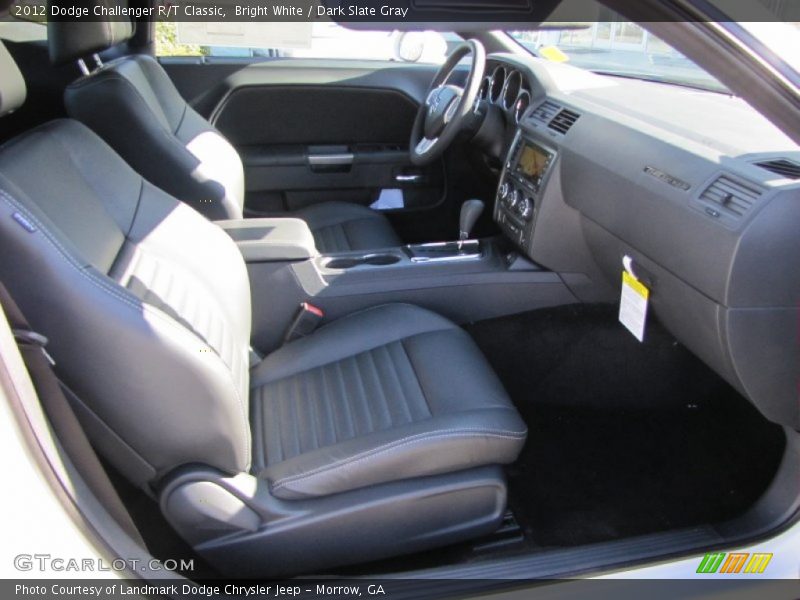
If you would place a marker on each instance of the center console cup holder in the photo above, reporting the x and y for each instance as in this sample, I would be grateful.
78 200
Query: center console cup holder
348 262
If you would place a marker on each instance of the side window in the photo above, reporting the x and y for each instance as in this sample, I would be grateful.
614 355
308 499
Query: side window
23 30
298 40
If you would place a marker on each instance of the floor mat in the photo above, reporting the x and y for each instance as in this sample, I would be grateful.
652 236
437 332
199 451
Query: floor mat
624 438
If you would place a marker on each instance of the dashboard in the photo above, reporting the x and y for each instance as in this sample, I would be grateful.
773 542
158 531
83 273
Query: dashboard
695 188
527 165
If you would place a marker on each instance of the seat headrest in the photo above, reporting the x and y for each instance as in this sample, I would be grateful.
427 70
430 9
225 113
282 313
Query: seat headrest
69 39
12 85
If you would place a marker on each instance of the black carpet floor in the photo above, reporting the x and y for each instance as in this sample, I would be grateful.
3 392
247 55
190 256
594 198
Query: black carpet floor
624 438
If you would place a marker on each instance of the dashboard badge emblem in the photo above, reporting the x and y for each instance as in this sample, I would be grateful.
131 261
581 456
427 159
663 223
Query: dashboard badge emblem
667 178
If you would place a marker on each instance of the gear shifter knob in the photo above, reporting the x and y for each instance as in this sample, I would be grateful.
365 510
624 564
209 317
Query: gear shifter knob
470 211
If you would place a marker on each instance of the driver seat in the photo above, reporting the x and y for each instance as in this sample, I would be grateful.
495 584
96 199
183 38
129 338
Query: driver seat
133 105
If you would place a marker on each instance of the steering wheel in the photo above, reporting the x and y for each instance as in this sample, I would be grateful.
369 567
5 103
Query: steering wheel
446 106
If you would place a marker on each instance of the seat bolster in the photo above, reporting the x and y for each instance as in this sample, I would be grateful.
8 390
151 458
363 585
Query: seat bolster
157 385
452 442
350 335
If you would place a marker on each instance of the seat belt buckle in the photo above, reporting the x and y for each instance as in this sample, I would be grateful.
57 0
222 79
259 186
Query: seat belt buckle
307 320
31 338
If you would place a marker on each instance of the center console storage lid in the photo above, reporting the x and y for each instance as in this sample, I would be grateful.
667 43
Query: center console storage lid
262 240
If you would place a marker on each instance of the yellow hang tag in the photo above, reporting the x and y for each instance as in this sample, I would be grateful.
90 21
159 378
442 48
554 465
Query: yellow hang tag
633 305
552 53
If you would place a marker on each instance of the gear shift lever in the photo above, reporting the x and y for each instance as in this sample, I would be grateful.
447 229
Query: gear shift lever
458 250
470 211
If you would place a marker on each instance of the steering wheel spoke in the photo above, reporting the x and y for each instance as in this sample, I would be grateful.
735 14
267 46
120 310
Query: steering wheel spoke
447 106
451 110
424 146
432 95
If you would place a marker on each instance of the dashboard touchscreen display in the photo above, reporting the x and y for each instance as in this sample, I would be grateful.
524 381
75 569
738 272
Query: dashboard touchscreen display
532 162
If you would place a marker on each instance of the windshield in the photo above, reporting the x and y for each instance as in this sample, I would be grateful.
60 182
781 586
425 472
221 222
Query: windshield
618 48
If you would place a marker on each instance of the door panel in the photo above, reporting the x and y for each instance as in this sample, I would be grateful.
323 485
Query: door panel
311 131
316 115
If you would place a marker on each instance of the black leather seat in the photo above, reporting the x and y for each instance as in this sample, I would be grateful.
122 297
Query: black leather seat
133 105
378 434
391 392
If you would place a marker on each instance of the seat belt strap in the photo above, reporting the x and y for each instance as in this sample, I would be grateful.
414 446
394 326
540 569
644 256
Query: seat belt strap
62 419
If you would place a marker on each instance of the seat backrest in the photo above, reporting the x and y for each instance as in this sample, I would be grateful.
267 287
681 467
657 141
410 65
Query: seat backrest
145 302
135 107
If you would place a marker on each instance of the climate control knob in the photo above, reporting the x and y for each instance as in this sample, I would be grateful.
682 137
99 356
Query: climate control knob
513 199
525 208
505 188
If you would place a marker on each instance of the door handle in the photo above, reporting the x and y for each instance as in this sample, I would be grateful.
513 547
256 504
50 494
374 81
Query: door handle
327 160
408 178
340 162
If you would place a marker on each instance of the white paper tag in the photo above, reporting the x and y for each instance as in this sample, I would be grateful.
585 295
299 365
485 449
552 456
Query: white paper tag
633 305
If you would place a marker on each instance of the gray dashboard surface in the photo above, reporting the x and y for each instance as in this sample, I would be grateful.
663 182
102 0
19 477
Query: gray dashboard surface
648 167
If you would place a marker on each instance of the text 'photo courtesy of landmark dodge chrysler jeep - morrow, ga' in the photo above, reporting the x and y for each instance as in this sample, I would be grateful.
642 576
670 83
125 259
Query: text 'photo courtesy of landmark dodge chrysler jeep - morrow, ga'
467 293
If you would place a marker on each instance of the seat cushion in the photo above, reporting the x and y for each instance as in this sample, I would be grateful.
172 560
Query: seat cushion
389 393
344 227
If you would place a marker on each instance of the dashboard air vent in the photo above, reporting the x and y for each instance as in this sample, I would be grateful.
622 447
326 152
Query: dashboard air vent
545 111
783 167
563 121
731 196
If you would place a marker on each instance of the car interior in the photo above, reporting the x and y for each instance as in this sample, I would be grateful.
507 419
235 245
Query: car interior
281 377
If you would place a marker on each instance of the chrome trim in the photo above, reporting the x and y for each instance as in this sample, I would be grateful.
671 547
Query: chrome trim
499 69
517 114
483 91
451 109
512 73
432 94
408 178
424 145
450 257
344 158
453 258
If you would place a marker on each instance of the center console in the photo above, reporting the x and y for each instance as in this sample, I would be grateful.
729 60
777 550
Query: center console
470 283
518 199
278 239
464 280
